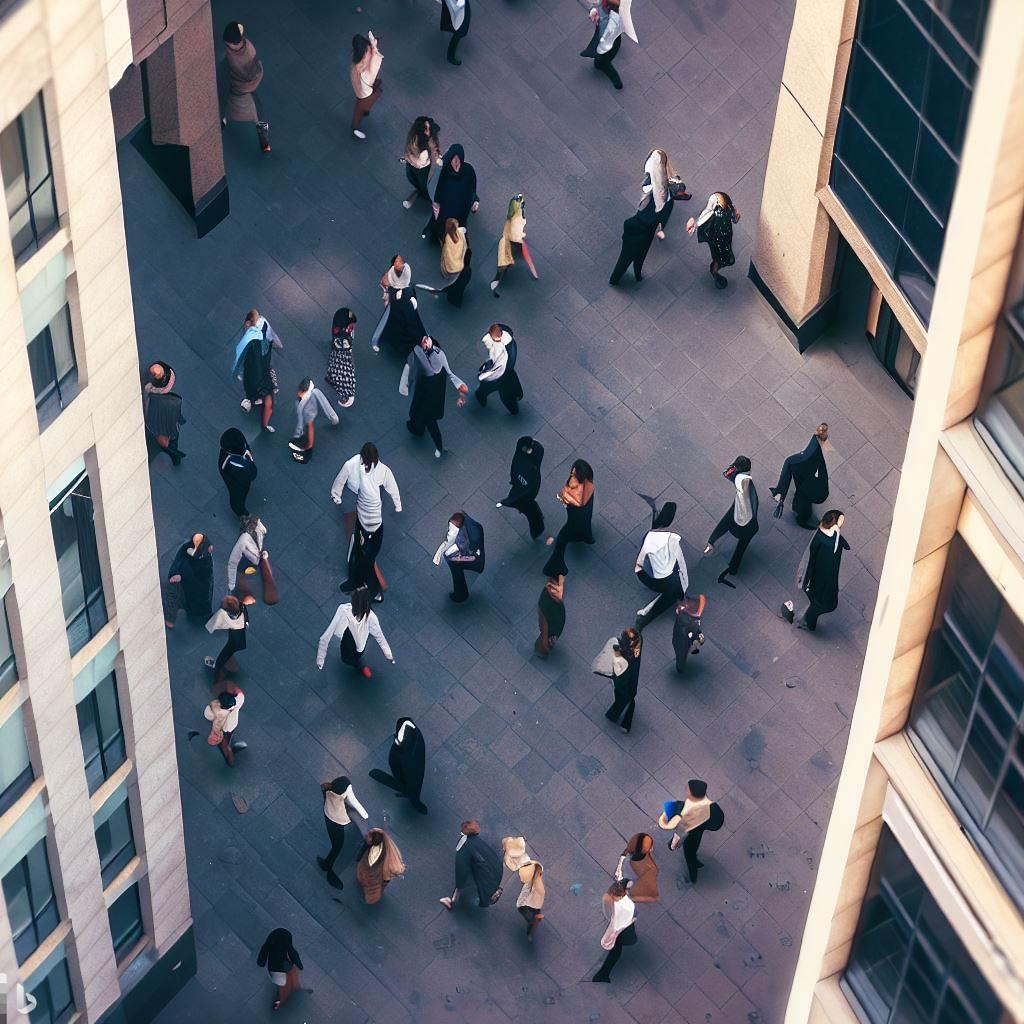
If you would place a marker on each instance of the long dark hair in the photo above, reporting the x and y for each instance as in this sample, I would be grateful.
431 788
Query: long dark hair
583 471
361 601
727 199
360 44
417 133
369 455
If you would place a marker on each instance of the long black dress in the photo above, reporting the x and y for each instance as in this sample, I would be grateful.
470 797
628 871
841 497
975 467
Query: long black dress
454 193
259 378
407 761
716 231
196 572
820 580
237 468
402 328
578 529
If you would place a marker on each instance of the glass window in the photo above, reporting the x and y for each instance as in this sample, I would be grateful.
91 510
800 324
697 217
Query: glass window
74 536
966 718
907 965
28 179
901 130
126 921
8 663
15 767
31 907
115 842
55 1002
51 358
99 723
1000 416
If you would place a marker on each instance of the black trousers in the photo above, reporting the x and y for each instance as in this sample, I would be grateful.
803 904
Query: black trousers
238 491
555 565
669 591
622 265
431 428
627 937
534 516
350 655
743 534
603 63
803 508
336 833
456 38
235 642
362 556
488 387
691 844
622 703
460 589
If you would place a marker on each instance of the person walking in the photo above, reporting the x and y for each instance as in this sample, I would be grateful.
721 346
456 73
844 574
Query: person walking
550 615
687 634
463 550
611 19
660 186
621 930
356 489
818 573
498 372
424 375
477 867
222 714
660 566
422 151
338 798
808 470
513 242
354 623
530 901
232 617
578 498
714 226
283 963
456 257
524 484
400 326
309 403
407 760
638 233
161 413
254 349
237 468
620 661
378 861
366 80
740 519
696 814
454 193
251 556
639 856
239 75
341 367
190 581
455 15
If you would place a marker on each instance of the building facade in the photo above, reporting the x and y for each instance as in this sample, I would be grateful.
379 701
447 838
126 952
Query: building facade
898 160
94 920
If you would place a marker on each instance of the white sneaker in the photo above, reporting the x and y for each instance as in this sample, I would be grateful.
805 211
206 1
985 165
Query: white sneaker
358 134
246 405
497 505
348 403
269 429
376 348
407 204
437 453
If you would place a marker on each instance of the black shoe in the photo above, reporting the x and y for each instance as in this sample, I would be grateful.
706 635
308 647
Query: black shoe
322 864
457 599
455 61
346 586
722 579
176 457
334 881
720 282
807 524
787 613
420 806
601 977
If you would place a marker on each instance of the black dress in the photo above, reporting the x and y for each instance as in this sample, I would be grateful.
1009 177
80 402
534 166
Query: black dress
821 578
196 584
454 292
402 327
237 468
717 232
428 398
454 191
259 378
578 529
553 612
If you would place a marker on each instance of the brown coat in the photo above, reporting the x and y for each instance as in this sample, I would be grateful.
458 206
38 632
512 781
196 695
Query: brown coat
245 72
645 889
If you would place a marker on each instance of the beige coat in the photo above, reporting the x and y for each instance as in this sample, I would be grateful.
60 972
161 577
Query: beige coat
453 254
514 231
364 74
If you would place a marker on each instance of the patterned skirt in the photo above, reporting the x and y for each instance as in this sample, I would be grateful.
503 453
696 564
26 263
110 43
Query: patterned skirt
341 373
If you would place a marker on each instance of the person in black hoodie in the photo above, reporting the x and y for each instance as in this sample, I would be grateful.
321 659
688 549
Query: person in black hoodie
161 412
477 866
807 469
407 760
283 964
463 550
524 483
237 468
190 581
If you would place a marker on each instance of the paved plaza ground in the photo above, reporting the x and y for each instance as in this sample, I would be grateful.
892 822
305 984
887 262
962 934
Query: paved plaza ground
658 385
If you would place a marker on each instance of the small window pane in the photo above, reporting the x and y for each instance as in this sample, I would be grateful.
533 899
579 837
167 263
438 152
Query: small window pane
8 663
63 348
125 921
15 768
115 843
947 101
890 35
99 724
31 907
36 152
13 165
55 1002
883 111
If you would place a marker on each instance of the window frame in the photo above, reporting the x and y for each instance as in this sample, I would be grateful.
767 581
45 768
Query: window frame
125 943
8 680
63 1013
64 386
116 862
19 785
91 702
37 908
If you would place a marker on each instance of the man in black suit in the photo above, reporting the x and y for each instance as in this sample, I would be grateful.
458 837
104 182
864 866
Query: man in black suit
477 866
808 471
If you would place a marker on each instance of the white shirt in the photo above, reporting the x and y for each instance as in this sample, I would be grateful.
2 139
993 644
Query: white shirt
245 547
622 915
448 545
361 630
612 30
742 510
497 353
225 719
336 807
665 554
367 484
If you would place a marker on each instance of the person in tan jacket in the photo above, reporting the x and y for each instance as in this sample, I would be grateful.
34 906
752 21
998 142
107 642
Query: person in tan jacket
366 83
239 75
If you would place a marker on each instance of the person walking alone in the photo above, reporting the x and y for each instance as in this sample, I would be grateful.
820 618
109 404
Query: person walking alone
354 623
638 233
611 19
239 75
338 798
422 151
463 550
524 484
714 226
310 401
222 714
232 617
378 861
454 193
366 81
639 856
477 867
254 349
513 242
283 963
190 581
620 659
455 16
660 566
578 498
424 375
621 931
341 366
808 470
237 468
550 615
498 372
530 901
818 573
697 814
407 760
740 519
161 413
251 556
456 259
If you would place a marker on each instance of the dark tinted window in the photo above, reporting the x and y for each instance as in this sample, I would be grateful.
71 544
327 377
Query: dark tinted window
907 965
8 664
1000 416
125 915
115 843
901 130
99 724
967 713
55 1002
31 906
51 359
15 767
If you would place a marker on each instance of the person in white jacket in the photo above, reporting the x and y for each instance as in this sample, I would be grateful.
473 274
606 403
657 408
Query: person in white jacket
248 548
498 373
222 714
354 623
338 797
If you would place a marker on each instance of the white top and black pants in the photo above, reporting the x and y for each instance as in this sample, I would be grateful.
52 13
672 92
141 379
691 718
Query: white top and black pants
499 372
354 634
336 817
740 520
660 567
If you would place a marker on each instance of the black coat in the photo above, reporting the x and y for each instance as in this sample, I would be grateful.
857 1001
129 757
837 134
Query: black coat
478 865
820 580
407 760
196 572
810 473
278 953
524 476
625 684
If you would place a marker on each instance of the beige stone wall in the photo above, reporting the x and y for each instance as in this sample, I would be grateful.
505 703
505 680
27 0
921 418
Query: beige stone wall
73 52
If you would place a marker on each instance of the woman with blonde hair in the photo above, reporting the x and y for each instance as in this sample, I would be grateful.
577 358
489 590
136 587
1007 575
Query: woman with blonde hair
455 262
660 187
379 860
714 226
531 874
513 241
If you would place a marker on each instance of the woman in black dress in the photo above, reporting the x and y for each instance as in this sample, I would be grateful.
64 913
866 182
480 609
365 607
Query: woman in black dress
424 375
237 468
550 615
524 483
625 678
714 226
341 367
190 581
578 498
454 193
818 573
400 326
407 760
